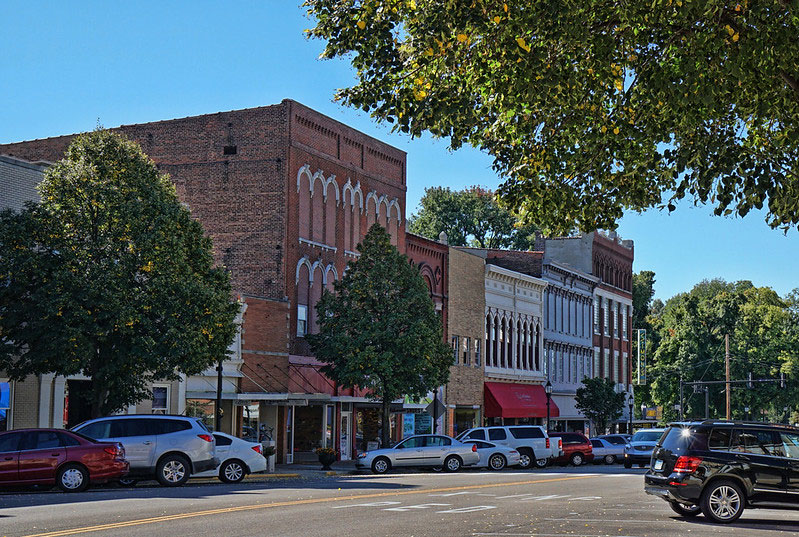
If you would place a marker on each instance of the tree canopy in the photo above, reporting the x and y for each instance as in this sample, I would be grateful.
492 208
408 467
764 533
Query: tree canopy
380 331
110 277
764 341
470 217
599 401
590 108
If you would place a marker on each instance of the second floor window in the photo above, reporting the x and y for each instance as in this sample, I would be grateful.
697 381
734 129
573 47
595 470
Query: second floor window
302 320
455 349
477 344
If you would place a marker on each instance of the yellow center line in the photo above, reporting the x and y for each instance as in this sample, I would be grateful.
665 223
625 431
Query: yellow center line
166 518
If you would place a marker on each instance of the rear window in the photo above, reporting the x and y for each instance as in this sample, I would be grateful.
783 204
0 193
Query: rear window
172 426
573 438
479 434
526 432
681 439
596 443
615 440
719 439
497 434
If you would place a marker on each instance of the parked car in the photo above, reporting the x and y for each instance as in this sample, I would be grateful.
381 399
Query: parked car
238 458
577 448
493 456
531 441
639 450
606 452
168 448
616 439
719 468
430 450
57 457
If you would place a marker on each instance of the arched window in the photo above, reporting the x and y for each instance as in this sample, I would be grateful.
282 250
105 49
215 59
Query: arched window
318 209
315 294
393 222
331 202
536 347
303 289
348 216
357 212
371 211
488 339
304 182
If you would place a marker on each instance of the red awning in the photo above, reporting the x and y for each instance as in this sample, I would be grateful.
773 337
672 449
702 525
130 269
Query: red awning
505 400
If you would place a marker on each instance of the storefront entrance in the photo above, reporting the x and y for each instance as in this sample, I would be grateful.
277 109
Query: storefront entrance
345 444
77 402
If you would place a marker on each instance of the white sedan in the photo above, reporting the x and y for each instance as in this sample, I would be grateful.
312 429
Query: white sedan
606 451
237 459
494 456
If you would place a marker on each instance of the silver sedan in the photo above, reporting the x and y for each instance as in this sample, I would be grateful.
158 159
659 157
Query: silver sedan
494 456
425 450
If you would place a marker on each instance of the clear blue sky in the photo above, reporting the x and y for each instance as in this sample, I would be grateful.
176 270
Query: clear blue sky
67 65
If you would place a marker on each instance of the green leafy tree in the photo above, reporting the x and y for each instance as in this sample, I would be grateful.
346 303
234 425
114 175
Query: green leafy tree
763 341
599 401
110 277
380 331
590 108
470 217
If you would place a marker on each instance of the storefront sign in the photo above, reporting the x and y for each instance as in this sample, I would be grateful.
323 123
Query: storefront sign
424 424
408 425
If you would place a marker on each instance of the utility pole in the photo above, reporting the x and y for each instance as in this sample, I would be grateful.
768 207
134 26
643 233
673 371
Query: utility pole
681 409
727 368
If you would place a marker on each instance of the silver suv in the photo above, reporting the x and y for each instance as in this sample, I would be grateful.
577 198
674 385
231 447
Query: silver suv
169 448
531 441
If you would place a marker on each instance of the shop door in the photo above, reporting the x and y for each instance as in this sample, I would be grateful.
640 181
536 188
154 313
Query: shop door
345 445
77 402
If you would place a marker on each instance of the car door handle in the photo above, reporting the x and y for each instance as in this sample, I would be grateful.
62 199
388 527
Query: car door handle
147 443
55 454
9 459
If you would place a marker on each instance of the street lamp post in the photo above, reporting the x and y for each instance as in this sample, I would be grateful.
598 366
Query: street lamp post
631 402
548 392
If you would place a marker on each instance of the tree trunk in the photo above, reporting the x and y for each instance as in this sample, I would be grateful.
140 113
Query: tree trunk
385 436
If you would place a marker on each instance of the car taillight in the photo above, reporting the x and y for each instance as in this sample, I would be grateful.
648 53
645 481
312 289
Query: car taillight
474 448
686 464
560 443
112 450
257 448
547 443
206 437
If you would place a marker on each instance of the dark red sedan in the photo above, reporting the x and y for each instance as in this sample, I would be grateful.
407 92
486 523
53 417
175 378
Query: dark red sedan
58 457
577 449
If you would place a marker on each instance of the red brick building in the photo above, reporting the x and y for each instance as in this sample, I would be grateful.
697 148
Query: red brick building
286 193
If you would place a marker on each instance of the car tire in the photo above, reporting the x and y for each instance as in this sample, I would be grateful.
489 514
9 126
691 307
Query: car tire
610 459
541 463
577 459
628 464
172 471
127 482
497 462
232 471
526 458
73 478
381 465
685 510
722 502
452 464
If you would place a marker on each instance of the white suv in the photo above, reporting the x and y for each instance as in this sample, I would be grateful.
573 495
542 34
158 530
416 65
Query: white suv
531 441
169 448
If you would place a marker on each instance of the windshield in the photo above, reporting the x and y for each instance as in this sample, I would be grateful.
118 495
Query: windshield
647 436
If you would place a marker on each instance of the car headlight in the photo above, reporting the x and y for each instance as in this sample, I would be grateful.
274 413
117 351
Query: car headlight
362 455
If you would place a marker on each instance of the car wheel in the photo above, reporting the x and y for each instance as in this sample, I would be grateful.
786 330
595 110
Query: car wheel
172 471
541 463
525 458
610 459
381 465
73 478
685 510
232 471
628 464
452 464
127 482
497 462
577 459
722 501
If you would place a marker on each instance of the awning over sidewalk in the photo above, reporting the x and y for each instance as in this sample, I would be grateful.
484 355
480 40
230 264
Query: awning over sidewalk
505 400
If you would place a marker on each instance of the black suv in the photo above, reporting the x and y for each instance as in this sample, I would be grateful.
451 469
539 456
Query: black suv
720 467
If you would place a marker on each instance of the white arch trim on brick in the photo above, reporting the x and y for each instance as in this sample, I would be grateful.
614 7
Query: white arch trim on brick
321 176
384 201
395 204
353 190
332 179
370 195
305 170
300 263
330 268
318 264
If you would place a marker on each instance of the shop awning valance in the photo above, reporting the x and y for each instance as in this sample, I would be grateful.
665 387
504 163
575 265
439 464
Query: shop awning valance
506 400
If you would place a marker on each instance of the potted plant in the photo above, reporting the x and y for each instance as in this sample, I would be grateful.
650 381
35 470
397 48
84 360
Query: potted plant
327 456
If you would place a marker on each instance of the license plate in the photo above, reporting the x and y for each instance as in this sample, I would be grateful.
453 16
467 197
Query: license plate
659 464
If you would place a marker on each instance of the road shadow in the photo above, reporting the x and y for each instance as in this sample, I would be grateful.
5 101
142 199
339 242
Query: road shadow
22 497
759 524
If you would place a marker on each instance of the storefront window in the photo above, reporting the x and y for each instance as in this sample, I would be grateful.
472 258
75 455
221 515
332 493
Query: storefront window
308 429
5 405
367 433
329 425
160 399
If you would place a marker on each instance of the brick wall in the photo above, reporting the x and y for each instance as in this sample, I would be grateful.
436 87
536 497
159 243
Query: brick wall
25 407
466 300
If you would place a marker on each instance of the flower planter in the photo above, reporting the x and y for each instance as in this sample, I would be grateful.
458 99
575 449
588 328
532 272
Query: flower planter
326 460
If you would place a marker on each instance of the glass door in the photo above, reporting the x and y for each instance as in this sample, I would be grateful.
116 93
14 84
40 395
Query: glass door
345 444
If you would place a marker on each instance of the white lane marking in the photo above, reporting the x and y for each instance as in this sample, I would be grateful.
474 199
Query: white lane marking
482 494
471 509
513 496
420 506
585 498
370 504
545 498
453 494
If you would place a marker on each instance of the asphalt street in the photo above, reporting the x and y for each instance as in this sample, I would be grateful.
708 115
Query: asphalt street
588 501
